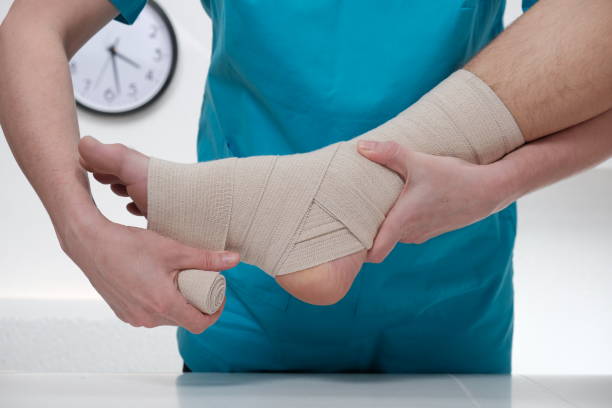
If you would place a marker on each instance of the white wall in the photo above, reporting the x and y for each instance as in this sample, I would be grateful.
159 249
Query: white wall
40 287
168 129
52 319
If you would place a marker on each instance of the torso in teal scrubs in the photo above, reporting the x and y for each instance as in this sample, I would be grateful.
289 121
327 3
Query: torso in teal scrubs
293 76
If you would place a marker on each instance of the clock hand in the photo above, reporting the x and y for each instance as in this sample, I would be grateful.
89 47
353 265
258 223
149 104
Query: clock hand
113 52
102 72
115 72
128 60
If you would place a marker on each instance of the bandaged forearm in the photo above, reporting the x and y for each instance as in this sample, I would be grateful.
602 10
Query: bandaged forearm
289 213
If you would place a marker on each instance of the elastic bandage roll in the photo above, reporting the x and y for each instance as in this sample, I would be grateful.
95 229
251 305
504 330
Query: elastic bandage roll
289 213
203 289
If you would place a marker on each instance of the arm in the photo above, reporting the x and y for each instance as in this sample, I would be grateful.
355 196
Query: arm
443 194
554 158
37 106
132 269
552 68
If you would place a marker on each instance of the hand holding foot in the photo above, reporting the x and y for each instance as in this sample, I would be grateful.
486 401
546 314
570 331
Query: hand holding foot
307 219
135 271
126 171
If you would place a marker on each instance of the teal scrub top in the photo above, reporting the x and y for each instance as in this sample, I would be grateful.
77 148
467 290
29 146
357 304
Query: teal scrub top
292 76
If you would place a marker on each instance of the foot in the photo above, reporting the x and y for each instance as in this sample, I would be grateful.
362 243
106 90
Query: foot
125 170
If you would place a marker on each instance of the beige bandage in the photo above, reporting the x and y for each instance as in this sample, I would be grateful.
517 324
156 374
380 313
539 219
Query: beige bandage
203 289
288 213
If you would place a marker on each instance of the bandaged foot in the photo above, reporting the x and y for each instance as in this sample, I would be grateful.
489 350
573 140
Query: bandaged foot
126 171
307 219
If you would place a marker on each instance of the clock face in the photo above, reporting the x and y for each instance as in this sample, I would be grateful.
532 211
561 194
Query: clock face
125 67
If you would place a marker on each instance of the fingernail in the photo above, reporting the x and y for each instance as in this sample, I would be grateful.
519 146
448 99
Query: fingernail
229 258
367 145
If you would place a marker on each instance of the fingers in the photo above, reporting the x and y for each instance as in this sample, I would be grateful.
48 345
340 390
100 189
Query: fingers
144 319
179 309
389 154
389 234
187 316
396 158
191 258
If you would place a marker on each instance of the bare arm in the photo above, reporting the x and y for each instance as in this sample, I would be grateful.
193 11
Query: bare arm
443 194
553 70
37 109
554 158
133 269
553 66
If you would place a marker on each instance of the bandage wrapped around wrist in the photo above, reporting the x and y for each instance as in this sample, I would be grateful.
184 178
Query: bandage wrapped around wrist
289 213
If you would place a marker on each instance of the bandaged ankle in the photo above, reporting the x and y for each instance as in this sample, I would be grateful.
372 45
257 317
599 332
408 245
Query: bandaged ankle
288 213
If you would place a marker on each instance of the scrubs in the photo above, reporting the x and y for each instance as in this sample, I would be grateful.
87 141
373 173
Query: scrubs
293 76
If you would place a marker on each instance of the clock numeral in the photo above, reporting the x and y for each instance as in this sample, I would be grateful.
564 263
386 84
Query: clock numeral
154 30
109 95
133 90
158 55
118 74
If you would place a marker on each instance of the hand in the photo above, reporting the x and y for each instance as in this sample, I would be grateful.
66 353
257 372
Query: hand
440 194
135 271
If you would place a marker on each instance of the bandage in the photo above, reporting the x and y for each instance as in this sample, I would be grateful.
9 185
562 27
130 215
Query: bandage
203 289
289 213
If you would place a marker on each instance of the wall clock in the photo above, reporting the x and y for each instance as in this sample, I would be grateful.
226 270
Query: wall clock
124 68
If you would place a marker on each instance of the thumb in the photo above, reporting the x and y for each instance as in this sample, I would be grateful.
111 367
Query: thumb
193 258
387 237
389 154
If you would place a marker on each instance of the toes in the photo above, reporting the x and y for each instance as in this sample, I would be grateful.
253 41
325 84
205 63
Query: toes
133 209
120 190
101 158
112 159
106 178
84 165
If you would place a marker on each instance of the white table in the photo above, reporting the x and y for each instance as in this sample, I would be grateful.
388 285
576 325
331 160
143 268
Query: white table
301 390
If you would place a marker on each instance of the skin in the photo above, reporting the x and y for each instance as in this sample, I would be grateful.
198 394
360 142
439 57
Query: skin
442 195
134 270
38 117
552 68
125 170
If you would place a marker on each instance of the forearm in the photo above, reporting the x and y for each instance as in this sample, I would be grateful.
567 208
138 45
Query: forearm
38 116
553 67
555 157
